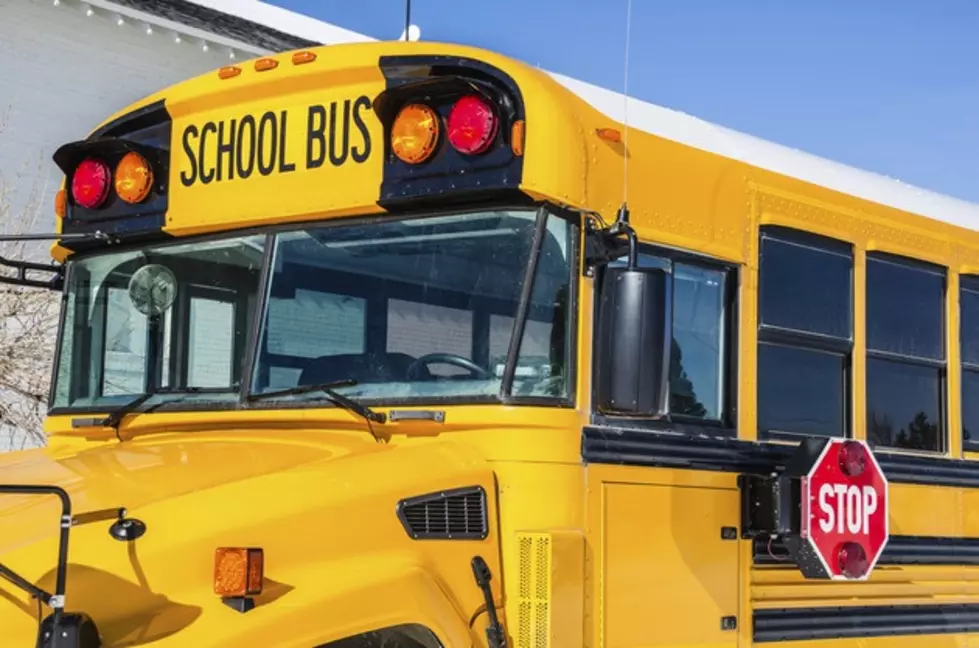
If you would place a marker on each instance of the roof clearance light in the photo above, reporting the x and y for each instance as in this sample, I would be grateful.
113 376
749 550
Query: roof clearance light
263 64
415 133
133 178
299 58
90 183
238 571
229 72
472 125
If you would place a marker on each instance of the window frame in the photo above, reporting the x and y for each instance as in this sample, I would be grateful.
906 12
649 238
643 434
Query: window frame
727 424
888 356
970 283
807 340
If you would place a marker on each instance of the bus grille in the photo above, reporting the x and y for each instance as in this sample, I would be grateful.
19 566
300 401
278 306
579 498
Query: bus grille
449 515
534 593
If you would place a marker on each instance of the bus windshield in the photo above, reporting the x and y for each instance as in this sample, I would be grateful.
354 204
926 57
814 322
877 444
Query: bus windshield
415 309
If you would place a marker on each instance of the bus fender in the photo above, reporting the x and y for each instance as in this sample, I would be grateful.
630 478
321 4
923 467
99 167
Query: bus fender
368 594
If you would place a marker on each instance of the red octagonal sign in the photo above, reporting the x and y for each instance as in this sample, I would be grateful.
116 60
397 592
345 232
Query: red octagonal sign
844 511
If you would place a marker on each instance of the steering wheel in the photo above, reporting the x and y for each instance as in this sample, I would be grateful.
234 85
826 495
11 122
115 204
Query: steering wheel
447 358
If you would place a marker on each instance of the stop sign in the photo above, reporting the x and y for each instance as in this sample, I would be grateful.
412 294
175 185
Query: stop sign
844 511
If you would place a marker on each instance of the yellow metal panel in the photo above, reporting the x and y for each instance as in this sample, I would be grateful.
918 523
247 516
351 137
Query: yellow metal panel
669 578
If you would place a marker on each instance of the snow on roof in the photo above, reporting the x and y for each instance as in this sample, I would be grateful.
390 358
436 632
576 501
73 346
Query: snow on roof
697 133
664 122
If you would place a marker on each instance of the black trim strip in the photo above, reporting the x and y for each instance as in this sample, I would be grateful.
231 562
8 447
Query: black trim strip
900 550
673 450
864 621
636 447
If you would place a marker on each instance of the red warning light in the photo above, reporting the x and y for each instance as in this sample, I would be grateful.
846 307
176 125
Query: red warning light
853 458
472 125
852 560
90 183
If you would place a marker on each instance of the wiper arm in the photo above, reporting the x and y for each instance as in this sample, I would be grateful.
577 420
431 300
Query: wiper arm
328 389
115 416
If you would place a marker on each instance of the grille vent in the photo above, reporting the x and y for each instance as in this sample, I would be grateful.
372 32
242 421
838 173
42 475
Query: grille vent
458 514
534 593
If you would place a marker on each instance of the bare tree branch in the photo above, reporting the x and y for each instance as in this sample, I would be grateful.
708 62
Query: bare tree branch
28 316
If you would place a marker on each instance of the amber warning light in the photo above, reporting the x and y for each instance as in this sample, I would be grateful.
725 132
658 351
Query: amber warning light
238 571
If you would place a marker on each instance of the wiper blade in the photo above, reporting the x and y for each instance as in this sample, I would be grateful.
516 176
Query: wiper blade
328 389
115 416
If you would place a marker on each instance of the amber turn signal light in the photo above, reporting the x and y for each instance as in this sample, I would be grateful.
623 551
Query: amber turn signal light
60 202
133 178
415 133
238 571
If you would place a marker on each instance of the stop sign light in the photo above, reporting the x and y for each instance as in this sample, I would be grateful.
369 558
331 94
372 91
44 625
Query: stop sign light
830 506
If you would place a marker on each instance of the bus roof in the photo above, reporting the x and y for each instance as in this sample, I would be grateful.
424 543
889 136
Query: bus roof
700 134
675 126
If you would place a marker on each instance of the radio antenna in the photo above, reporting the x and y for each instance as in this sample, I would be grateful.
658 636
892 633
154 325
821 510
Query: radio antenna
625 105
621 225
407 19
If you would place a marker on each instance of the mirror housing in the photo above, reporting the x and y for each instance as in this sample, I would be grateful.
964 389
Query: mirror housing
633 341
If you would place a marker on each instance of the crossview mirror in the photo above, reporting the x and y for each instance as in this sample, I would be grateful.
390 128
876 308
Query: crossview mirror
633 341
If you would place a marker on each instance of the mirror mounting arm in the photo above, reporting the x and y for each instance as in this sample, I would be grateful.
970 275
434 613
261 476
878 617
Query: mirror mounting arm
604 244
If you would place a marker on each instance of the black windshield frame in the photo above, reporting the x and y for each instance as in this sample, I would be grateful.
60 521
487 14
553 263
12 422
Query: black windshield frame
242 401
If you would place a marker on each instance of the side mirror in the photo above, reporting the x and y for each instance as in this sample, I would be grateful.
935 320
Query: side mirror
633 341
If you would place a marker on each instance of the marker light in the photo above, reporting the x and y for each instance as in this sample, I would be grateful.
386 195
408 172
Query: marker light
263 64
415 133
299 58
90 183
133 178
229 72
853 458
517 137
472 125
852 560
238 571
59 203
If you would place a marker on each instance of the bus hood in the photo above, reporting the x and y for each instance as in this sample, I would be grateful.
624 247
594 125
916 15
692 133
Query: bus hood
311 500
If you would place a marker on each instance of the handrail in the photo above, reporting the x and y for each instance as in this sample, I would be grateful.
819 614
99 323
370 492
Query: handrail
55 601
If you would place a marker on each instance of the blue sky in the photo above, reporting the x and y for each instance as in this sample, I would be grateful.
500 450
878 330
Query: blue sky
887 85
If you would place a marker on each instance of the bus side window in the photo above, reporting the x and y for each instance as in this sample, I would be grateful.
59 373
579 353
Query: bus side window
699 353
969 340
905 353
805 334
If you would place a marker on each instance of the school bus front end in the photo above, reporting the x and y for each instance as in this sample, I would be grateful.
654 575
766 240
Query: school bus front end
318 321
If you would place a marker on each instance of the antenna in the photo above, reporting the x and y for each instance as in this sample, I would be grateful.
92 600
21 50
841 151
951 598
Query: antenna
621 225
408 19
625 106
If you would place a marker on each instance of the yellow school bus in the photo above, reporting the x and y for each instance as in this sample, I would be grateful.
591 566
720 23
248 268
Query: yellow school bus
413 345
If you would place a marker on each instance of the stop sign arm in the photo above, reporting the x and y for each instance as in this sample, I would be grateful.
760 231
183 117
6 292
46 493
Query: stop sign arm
829 505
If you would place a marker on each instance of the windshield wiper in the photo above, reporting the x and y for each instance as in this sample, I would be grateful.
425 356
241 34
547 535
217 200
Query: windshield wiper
115 416
328 389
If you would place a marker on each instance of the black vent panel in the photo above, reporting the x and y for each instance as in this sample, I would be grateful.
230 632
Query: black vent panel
458 514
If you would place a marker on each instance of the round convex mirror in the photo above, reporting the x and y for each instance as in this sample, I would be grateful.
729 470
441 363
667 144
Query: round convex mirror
152 289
